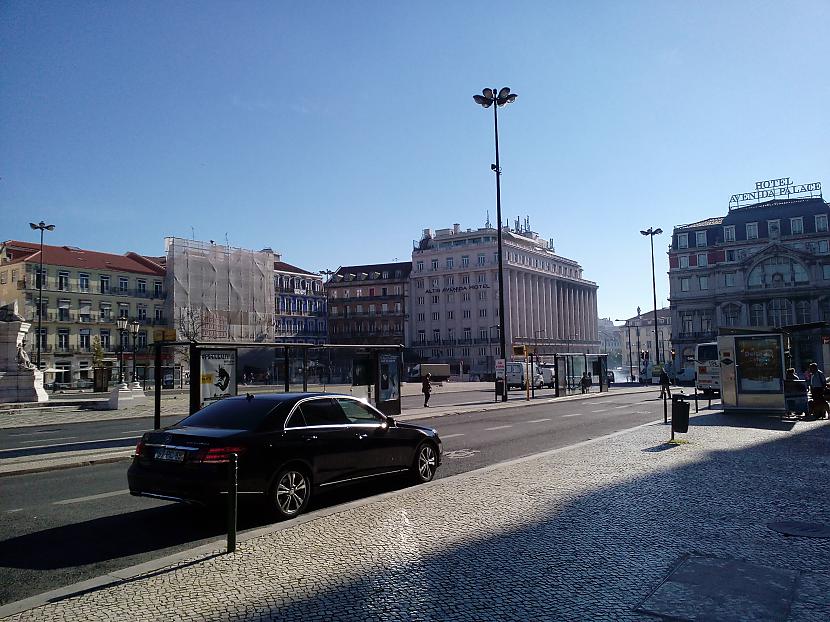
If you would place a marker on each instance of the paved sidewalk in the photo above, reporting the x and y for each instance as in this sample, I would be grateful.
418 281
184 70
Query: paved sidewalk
589 532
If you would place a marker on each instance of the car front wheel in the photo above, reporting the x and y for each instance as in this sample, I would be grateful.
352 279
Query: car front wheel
290 492
426 463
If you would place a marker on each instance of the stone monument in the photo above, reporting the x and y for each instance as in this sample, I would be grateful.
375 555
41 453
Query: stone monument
20 381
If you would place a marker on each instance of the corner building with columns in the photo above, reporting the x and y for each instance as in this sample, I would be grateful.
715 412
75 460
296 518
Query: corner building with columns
454 304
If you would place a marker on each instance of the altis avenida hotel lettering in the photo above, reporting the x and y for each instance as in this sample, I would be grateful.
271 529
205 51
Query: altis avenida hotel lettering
774 188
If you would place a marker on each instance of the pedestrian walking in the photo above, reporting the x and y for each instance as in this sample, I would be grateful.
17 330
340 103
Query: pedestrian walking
665 384
585 382
426 389
818 383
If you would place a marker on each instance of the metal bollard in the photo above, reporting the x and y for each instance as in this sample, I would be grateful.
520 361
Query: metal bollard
665 410
232 486
695 399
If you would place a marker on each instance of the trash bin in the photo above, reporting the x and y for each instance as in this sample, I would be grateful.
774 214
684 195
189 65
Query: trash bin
679 414
499 388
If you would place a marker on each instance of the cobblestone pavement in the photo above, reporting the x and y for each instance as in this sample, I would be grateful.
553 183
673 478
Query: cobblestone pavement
583 533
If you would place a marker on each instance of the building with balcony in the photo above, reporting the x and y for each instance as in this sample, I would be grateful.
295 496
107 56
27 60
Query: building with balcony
637 341
300 305
760 265
84 292
454 304
368 304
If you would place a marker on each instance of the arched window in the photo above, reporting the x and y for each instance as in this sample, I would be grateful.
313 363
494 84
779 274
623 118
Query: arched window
777 272
780 313
731 315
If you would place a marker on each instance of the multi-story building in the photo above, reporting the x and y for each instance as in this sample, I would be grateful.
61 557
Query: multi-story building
368 304
761 265
300 306
84 292
638 343
609 338
454 305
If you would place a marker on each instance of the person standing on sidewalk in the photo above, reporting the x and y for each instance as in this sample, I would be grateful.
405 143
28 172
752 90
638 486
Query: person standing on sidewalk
817 385
665 384
426 389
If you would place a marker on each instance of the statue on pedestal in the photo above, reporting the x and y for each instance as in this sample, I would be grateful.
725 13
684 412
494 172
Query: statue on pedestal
20 380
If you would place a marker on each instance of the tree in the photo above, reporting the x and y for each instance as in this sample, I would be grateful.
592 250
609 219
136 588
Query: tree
97 353
190 326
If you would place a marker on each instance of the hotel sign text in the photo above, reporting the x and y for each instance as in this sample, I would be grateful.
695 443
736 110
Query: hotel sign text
772 188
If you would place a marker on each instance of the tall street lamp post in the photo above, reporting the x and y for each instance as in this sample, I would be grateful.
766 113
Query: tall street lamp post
121 322
43 227
630 358
134 326
651 233
639 351
501 98
490 339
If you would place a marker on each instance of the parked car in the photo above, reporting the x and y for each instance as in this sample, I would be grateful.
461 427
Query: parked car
289 445
610 376
515 371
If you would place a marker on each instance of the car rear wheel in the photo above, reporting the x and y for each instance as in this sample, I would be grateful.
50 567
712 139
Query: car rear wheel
426 463
290 492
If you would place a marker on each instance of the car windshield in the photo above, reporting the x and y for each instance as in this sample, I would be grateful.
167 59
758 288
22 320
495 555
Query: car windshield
232 414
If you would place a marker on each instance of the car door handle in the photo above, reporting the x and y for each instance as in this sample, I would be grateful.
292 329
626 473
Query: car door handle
362 435
310 437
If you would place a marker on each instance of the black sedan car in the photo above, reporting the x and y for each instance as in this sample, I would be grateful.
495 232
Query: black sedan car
288 445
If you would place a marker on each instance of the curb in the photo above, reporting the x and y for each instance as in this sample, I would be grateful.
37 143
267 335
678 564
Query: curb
213 549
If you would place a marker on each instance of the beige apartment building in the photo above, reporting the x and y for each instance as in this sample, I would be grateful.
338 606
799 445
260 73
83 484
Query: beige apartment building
84 292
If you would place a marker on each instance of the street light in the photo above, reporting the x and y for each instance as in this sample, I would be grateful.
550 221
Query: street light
490 339
43 227
651 233
134 326
121 322
501 98
630 359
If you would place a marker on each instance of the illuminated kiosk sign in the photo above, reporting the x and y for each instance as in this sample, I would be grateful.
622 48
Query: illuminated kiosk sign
772 188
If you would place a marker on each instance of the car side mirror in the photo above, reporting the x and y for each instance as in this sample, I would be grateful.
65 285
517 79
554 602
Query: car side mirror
390 422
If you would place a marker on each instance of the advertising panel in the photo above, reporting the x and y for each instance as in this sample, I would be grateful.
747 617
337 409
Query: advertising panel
759 364
218 374
390 381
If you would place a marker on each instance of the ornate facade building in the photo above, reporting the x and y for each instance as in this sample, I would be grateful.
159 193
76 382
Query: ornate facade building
454 305
761 265
84 292
300 305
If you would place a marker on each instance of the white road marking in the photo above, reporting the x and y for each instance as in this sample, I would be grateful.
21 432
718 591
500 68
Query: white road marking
59 438
625 406
573 415
14 510
537 421
32 433
103 495
97 440
601 410
446 436
498 427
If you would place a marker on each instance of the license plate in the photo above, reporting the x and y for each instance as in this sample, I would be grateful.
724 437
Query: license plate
172 455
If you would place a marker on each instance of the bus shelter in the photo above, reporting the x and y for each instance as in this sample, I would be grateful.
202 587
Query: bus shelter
222 369
570 367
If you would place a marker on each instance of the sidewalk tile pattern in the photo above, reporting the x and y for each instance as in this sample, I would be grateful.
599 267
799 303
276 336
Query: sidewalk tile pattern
586 533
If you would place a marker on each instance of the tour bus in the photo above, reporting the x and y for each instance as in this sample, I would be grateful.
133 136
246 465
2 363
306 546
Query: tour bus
707 365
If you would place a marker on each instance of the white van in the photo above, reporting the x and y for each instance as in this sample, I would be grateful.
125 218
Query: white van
548 376
515 372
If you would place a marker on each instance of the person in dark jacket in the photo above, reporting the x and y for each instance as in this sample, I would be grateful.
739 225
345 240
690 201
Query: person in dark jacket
426 389
665 384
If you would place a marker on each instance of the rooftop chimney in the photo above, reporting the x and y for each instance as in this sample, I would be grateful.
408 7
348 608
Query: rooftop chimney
456 228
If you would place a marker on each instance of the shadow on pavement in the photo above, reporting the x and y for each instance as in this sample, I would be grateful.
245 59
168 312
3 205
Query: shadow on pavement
597 555
746 420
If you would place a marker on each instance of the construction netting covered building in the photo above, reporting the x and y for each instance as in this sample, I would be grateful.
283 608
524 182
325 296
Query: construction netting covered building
219 293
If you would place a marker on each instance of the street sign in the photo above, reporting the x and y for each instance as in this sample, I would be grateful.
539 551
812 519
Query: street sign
519 350
500 368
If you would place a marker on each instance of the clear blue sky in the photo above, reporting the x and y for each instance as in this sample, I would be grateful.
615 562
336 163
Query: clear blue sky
335 132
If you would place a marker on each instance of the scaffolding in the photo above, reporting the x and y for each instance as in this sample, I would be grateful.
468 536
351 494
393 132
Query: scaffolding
220 293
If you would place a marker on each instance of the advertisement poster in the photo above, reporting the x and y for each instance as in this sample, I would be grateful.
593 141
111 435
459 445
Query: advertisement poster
390 381
760 368
218 374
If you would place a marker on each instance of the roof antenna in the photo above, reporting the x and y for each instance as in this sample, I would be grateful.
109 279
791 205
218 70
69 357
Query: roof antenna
487 224
192 233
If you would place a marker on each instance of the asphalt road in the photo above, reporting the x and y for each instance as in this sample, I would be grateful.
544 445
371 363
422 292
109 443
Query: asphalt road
65 526
35 440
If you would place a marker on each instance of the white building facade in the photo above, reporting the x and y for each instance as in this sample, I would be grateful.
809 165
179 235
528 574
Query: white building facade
454 302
